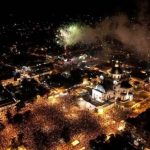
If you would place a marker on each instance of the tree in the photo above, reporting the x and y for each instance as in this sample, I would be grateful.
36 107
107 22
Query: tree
116 142
20 105
65 134
27 114
9 116
18 118
40 139
20 138
14 144
1 126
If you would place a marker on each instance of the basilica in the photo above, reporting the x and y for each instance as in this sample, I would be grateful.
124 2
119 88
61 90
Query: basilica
113 87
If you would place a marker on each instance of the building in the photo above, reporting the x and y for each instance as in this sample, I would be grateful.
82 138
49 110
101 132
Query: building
116 71
123 90
125 86
66 74
98 93
112 90
113 87
94 105
83 104
126 90
128 96
6 97
103 91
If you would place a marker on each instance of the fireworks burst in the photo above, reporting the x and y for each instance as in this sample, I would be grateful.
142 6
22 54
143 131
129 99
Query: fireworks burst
68 35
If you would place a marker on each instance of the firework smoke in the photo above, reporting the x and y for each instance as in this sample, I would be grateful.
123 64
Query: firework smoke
133 35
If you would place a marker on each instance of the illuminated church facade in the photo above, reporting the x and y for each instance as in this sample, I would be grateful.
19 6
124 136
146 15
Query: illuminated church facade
116 88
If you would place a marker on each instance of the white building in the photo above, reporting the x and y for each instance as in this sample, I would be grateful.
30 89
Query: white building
126 96
103 91
98 93
86 105
124 91
108 91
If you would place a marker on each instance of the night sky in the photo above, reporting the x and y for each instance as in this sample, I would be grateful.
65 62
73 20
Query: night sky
44 9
